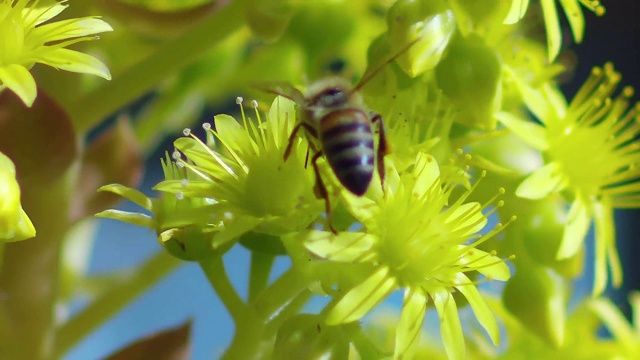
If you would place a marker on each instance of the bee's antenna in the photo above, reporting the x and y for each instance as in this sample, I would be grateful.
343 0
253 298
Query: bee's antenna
283 89
370 74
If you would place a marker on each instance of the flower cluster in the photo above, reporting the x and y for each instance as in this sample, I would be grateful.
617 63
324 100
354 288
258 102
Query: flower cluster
455 83
27 38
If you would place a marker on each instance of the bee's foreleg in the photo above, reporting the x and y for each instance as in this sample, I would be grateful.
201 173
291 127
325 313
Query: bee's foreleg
321 190
383 148
292 137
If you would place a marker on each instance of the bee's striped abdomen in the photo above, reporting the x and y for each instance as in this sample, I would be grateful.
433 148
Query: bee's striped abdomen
347 142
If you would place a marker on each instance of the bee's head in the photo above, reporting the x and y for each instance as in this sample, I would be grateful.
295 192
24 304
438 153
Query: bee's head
328 93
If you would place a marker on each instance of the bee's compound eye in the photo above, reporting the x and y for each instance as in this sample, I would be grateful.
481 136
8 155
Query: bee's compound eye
332 97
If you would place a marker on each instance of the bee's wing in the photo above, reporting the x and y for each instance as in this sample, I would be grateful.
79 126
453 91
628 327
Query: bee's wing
281 88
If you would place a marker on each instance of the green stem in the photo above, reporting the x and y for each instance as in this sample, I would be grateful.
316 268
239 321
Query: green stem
114 300
278 294
291 309
215 272
249 326
261 264
30 269
167 59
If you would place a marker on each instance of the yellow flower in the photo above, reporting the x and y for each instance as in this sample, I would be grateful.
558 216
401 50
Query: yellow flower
14 223
421 240
25 39
232 183
590 155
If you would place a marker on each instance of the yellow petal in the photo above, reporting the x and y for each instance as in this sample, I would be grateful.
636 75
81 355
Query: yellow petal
133 195
450 327
74 61
362 298
410 324
530 132
480 308
576 230
542 182
552 25
576 18
345 247
19 80
71 28
128 217
517 11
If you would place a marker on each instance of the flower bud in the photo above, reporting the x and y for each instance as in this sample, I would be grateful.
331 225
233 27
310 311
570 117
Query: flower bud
269 19
470 76
536 296
431 22
14 223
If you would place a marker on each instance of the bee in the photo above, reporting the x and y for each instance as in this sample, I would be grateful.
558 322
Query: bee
335 116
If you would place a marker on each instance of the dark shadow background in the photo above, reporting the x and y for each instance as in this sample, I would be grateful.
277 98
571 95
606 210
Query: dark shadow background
615 37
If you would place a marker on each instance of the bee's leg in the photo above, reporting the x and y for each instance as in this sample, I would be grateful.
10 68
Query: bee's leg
292 137
306 157
383 148
321 190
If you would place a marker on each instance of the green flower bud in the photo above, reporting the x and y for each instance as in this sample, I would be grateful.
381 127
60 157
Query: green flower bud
470 76
189 243
544 223
474 15
262 243
14 223
432 22
269 19
333 17
536 296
